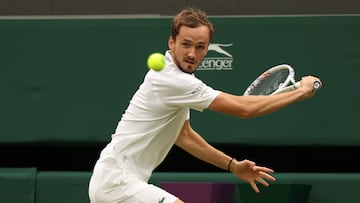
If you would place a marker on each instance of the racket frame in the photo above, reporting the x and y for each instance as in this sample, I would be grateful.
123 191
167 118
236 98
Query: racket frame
283 86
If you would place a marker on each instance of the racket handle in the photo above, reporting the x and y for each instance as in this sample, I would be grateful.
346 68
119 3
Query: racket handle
317 86
288 88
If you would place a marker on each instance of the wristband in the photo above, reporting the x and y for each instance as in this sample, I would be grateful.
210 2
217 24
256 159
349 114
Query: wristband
228 168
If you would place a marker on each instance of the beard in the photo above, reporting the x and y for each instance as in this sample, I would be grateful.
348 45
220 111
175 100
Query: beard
190 69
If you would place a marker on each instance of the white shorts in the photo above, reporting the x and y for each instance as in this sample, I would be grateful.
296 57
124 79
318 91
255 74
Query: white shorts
112 184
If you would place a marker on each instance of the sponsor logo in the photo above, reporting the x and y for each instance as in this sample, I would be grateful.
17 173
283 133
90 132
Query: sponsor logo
162 200
218 58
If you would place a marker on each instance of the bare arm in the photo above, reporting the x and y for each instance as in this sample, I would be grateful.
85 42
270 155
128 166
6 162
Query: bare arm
193 143
254 106
190 141
244 107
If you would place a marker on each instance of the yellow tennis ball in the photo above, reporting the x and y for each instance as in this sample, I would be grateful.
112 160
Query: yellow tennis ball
156 61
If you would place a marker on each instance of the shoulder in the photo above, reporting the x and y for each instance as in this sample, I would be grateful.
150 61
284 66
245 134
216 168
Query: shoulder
173 78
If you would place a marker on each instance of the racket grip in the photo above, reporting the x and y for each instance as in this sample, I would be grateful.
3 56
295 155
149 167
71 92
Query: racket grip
317 85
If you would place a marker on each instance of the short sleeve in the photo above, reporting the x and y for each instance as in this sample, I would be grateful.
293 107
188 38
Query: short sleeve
185 90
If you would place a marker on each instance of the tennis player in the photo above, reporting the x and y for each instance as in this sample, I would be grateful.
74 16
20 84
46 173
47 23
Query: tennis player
158 117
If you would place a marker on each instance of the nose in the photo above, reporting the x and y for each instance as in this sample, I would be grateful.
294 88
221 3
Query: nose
192 52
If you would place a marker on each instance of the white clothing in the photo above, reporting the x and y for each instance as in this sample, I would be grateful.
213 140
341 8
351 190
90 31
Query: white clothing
153 120
112 183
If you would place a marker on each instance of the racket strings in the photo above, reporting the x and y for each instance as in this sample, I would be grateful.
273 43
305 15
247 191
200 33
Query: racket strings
269 83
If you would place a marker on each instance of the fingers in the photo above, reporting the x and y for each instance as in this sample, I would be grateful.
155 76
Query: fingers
310 81
308 86
267 176
263 173
261 181
263 169
256 173
316 84
254 186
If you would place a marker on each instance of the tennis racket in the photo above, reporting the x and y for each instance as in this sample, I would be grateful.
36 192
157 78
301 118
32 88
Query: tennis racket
278 79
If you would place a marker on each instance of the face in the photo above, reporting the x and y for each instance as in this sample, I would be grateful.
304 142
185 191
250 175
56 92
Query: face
190 47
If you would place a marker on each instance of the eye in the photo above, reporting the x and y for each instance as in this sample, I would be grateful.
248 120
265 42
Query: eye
200 47
185 44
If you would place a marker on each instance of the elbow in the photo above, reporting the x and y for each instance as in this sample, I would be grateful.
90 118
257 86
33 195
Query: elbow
245 115
247 112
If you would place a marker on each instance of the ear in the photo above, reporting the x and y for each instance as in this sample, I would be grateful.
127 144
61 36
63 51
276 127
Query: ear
171 43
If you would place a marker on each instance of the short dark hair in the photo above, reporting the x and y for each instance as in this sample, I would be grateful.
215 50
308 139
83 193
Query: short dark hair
193 18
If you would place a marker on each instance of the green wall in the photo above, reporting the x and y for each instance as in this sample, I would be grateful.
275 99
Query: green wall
69 80
28 185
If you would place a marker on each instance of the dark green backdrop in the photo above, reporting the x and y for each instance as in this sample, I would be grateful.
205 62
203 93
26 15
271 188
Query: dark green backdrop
69 80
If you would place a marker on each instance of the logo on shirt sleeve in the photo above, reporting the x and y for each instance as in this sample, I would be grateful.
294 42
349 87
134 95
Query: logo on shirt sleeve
162 200
197 90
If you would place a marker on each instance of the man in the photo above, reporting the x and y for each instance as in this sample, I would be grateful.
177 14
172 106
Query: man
158 117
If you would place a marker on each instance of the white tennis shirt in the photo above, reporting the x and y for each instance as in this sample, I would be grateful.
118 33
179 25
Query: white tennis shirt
153 120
